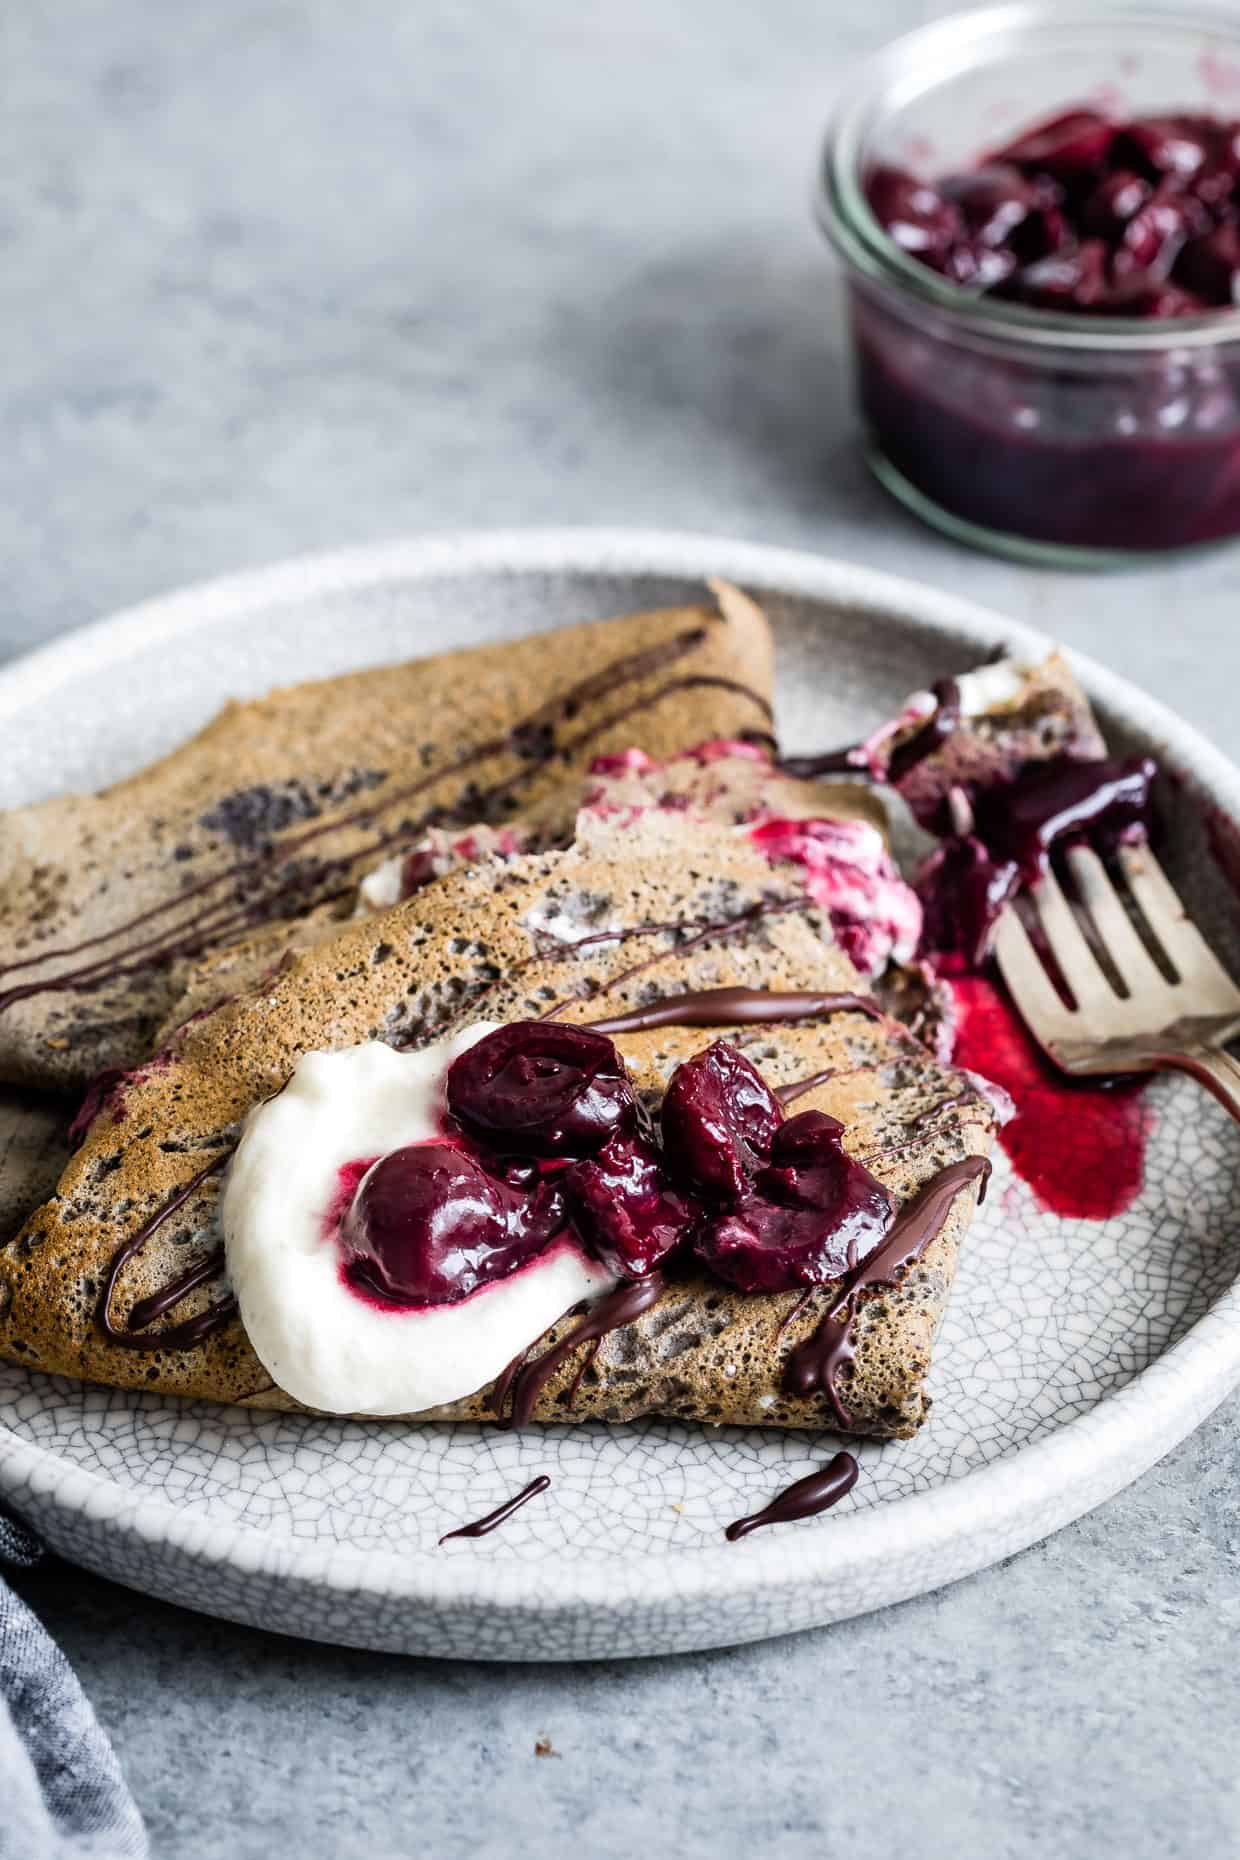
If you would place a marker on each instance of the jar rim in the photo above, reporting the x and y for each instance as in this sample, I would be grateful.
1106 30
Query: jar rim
961 41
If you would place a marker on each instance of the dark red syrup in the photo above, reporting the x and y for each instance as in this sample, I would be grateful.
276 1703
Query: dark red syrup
1080 1147
966 882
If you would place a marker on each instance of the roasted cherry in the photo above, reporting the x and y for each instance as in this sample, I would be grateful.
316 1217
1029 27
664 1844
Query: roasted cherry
1083 214
810 1213
980 266
1066 147
428 1226
624 1208
1153 236
1210 267
994 201
1177 146
913 213
536 1088
1147 297
719 1117
1113 203
1072 280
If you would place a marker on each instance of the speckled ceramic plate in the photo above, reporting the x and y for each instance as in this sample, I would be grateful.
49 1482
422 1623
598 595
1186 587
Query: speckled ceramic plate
1073 1356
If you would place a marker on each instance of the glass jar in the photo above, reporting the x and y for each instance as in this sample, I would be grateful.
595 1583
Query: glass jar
1082 441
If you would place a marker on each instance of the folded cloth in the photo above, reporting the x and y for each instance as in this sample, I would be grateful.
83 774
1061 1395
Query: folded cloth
64 1797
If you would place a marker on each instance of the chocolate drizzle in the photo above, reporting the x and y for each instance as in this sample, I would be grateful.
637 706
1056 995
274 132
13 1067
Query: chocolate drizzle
815 1364
858 759
818 1491
788 1094
187 923
929 1123
846 761
942 722
482 1527
178 1336
703 933
498 1396
149 1310
615 1309
727 1007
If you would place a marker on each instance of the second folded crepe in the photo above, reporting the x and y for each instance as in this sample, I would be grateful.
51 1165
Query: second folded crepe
288 800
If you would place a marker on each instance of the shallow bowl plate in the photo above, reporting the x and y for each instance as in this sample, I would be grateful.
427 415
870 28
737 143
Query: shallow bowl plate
1074 1353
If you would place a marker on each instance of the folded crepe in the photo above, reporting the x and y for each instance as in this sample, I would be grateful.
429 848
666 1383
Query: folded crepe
624 918
287 801
874 914
1000 717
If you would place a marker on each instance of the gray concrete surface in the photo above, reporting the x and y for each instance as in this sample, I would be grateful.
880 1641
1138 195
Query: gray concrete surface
281 276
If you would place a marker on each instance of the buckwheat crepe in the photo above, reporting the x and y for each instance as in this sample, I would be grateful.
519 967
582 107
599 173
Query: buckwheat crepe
730 790
667 910
286 801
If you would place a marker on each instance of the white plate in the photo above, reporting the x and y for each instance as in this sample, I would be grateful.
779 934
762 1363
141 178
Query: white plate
1073 1356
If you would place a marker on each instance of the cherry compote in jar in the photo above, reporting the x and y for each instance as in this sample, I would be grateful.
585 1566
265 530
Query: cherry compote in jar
1038 209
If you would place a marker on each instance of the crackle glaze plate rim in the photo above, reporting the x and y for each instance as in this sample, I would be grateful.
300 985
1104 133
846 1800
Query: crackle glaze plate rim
861 1559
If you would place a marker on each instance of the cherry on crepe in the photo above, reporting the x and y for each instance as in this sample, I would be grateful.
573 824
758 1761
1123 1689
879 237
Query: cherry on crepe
810 1213
429 1225
537 1088
719 1117
626 1211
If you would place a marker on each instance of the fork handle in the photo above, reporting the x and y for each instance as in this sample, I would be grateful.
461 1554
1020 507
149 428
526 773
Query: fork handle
1211 1067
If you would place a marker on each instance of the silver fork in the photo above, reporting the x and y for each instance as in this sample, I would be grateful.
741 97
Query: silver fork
1154 1025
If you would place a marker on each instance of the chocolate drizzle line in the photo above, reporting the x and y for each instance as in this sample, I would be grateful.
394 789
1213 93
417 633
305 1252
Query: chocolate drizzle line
148 1310
727 1007
852 760
788 1094
818 1491
482 1527
704 927
934 732
815 1364
615 1309
794 1311
927 1125
727 926
178 1336
835 762
531 738
504 1380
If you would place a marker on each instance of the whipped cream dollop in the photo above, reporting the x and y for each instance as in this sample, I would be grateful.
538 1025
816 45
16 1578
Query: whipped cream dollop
985 688
990 687
321 1341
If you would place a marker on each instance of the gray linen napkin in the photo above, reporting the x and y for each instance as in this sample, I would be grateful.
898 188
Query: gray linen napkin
62 1795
